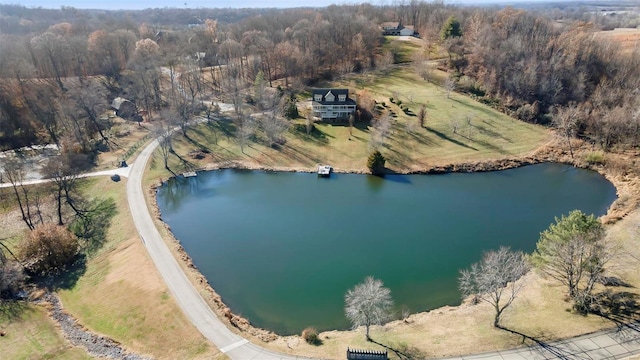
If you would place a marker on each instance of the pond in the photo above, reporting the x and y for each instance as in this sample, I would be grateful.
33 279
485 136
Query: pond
283 248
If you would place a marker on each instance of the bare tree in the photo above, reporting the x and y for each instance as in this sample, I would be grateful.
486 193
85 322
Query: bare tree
368 303
163 132
566 121
64 170
274 126
381 130
13 171
422 115
245 129
495 279
309 122
449 85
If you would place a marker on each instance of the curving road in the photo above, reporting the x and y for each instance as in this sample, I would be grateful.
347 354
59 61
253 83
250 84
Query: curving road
187 297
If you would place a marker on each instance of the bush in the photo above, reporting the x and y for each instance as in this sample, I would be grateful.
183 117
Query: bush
48 249
310 335
595 158
376 162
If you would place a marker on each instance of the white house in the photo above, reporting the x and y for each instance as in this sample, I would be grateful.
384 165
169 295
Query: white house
332 104
397 29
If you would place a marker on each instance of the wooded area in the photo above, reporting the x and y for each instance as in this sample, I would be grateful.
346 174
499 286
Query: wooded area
63 68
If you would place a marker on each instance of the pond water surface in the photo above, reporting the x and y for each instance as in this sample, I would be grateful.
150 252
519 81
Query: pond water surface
283 248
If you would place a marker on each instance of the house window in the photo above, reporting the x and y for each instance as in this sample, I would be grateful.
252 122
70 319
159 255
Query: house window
342 97
317 97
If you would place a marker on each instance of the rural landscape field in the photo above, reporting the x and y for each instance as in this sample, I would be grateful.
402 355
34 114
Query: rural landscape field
113 122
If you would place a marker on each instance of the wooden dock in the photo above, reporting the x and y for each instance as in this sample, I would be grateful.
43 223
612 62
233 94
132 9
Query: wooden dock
190 174
324 170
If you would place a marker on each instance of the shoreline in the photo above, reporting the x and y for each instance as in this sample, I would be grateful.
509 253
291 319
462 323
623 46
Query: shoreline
627 184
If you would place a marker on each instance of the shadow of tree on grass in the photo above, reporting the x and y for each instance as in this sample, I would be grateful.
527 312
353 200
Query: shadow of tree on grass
402 351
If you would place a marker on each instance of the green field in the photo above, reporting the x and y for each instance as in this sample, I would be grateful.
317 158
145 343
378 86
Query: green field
482 133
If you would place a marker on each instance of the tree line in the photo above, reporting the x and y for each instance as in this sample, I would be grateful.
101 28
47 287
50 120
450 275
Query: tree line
530 64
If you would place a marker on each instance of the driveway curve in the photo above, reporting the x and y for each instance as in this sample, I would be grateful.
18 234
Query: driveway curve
187 297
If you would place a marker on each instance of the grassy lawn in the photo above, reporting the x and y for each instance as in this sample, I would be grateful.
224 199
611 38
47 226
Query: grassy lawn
121 295
31 334
481 134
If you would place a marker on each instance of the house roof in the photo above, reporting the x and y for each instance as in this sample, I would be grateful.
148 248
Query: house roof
334 92
390 25
117 102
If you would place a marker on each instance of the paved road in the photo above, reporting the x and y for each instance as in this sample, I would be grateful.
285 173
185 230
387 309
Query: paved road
119 171
187 297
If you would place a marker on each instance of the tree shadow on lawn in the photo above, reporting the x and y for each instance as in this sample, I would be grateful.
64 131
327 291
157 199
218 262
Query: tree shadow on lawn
92 227
444 136
11 309
67 279
402 351
316 135
621 308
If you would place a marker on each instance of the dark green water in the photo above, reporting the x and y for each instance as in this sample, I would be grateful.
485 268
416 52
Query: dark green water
283 248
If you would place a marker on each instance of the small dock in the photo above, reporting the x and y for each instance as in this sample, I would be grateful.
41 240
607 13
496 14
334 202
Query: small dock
324 170
189 174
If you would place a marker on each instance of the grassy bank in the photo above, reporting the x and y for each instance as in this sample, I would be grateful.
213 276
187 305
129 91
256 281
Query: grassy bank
29 333
121 294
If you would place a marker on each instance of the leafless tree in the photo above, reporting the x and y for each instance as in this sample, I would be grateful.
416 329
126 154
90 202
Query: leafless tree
368 303
422 115
381 130
245 129
495 279
309 121
13 170
274 126
449 86
64 170
163 132
565 119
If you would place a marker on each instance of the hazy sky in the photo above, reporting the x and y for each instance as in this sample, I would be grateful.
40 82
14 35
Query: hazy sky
144 4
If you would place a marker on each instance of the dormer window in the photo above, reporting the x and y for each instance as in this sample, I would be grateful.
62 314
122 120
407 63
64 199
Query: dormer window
317 97
329 97
342 97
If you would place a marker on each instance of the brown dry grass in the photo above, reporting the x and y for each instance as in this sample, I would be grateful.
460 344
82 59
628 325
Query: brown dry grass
628 39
